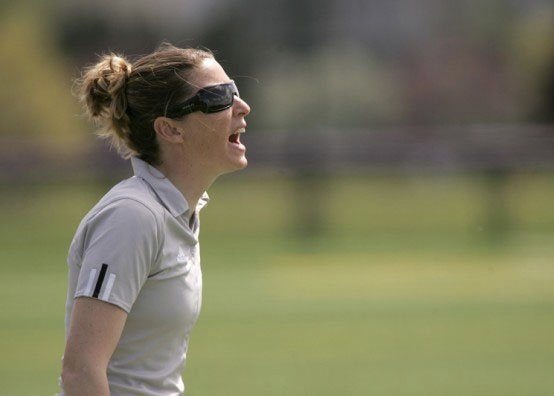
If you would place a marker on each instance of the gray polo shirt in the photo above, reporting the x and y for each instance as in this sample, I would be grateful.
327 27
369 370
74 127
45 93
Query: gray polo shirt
136 249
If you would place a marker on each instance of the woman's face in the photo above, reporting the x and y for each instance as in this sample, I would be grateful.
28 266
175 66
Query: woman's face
211 139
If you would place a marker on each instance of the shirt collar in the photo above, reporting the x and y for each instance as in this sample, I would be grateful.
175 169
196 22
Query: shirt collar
170 196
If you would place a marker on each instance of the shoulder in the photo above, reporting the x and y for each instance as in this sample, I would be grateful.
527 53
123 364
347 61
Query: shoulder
129 207
124 211
131 190
125 215
129 198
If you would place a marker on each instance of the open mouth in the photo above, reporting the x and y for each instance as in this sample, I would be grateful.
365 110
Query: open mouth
235 138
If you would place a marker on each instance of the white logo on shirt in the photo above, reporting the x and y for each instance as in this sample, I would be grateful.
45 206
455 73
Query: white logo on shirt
181 257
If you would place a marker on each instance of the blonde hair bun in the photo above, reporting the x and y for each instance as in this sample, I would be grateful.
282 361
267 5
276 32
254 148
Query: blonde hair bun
102 93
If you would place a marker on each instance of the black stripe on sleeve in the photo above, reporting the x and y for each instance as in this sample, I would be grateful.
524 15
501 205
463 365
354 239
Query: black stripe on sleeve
100 280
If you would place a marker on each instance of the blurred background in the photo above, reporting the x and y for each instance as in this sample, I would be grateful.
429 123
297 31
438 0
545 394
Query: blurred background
393 233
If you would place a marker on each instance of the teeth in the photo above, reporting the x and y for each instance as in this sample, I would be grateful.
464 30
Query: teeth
241 130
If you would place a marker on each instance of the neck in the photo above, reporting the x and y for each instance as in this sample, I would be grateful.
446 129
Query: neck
189 179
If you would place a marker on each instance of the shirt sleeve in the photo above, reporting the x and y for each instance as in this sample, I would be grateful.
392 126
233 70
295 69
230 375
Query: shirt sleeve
120 246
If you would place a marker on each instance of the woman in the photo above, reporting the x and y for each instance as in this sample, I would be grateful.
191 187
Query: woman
135 282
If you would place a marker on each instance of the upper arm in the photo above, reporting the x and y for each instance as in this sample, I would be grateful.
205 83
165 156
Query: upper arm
120 245
94 332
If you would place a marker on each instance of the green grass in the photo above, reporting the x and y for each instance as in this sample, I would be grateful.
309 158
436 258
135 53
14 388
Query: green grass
401 293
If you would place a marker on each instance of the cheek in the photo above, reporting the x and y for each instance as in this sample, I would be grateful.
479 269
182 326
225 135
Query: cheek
214 133
220 128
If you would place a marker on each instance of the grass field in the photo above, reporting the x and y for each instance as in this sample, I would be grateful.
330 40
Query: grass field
402 292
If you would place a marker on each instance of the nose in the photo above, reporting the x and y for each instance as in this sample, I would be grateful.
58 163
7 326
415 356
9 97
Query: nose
240 107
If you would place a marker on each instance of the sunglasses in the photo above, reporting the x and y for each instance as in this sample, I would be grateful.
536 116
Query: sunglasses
211 99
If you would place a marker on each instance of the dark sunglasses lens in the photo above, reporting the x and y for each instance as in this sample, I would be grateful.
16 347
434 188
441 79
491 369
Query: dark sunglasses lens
217 98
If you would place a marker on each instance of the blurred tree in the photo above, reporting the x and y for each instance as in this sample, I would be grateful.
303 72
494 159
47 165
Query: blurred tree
310 184
532 58
545 108
36 101
497 217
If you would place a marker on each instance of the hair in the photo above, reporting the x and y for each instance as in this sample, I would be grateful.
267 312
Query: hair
125 98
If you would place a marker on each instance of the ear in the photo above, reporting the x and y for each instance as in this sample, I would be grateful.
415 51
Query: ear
167 130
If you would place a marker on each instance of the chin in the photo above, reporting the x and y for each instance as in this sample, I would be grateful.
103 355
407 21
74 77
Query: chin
243 163
236 165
